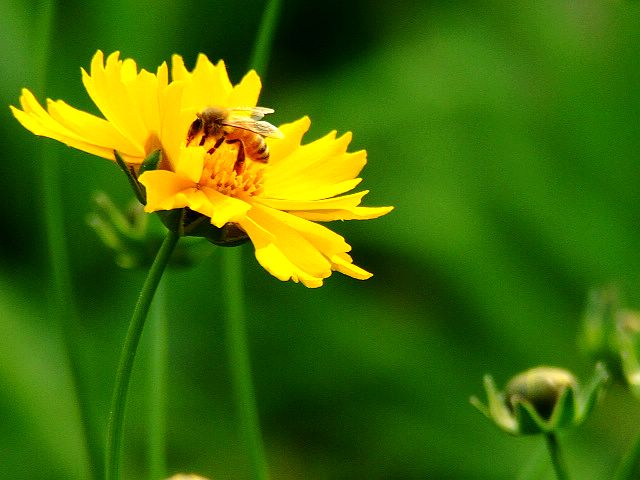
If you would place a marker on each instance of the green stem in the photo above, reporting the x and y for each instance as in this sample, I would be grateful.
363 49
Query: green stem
629 468
158 387
240 364
127 356
62 301
557 458
264 40
237 348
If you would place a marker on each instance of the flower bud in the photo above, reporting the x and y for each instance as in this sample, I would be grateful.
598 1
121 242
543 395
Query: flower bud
134 237
629 348
611 334
126 233
540 400
540 387
599 337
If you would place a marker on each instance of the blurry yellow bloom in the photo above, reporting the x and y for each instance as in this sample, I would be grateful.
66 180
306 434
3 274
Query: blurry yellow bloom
275 204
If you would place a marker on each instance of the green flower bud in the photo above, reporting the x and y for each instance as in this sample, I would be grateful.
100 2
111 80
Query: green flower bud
629 348
612 334
541 387
134 237
599 337
540 400
123 232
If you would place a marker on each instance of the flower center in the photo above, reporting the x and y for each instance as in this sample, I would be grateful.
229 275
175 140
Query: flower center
219 173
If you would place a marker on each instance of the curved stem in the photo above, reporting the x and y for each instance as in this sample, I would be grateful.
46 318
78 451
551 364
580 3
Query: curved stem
158 387
127 356
557 458
240 364
629 468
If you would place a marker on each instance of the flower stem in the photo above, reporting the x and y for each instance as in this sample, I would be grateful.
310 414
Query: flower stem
158 387
61 301
127 356
556 456
629 468
262 47
239 362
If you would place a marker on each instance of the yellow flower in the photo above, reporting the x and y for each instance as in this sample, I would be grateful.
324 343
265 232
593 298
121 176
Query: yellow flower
276 204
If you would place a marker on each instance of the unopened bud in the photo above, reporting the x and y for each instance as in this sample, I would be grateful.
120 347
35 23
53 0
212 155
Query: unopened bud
540 400
540 387
611 334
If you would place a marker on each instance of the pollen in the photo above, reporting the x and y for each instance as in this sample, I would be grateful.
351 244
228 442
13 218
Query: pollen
218 173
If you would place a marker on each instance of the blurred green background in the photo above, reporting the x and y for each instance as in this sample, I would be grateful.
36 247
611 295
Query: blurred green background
507 137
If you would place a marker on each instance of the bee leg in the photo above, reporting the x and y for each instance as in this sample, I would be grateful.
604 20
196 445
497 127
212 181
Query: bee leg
215 146
238 167
206 133
195 127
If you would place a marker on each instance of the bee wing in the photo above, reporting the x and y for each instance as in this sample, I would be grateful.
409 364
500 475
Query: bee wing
255 113
261 128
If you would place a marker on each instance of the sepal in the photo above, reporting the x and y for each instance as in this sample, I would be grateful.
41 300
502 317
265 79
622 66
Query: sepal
149 163
188 223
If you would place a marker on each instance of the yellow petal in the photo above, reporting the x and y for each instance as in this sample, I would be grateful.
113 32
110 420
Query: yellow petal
222 208
195 199
281 148
165 190
342 263
328 243
346 202
358 213
306 189
191 163
143 92
92 129
273 259
106 89
320 169
323 239
246 93
163 76
208 85
285 252
35 119
178 70
174 122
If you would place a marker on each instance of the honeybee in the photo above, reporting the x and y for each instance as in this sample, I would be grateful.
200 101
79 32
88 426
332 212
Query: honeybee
225 125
